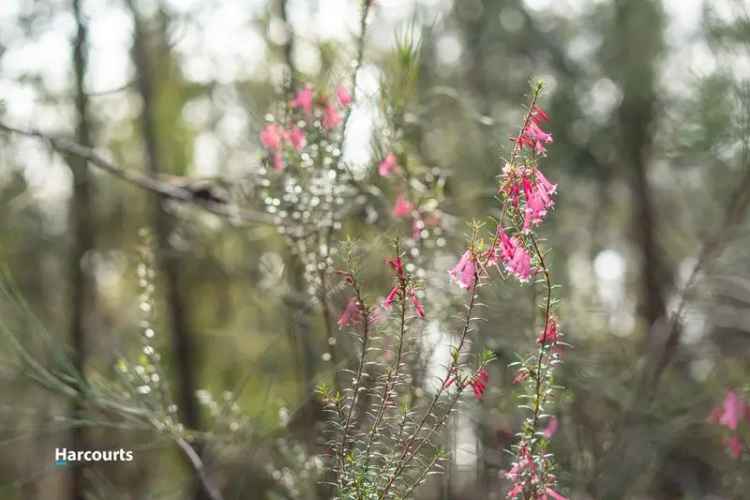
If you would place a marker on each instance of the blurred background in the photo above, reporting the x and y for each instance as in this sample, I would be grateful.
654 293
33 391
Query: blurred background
650 110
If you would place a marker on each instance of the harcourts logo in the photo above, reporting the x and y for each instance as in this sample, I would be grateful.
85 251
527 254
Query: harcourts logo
64 455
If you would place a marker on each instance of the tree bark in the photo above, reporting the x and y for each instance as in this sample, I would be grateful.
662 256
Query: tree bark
82 226
183 344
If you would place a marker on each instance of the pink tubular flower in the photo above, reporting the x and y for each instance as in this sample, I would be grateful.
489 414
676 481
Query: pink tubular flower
331 117
516 490
514 256
418 306
734 446
479 383
552 427
532 136
351 314
555 495
465 271
538 199
297 138
278 161
397 265
549 335
272 137
733 410
304 99
388 165
402 207
521 376
343 96
391 298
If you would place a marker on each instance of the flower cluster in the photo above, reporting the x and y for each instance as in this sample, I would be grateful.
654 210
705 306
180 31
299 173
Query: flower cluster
528 189
526 470
532 136
403 289
307 111
730 414
527 197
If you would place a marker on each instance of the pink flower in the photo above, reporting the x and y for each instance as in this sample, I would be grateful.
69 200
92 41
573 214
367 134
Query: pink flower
479 383
351 314
715 416
397 265
464 273
514 256
532 136
297 138
331 117
734 409
272 137
555 495
516 490
538 115
343 95
521 376
734 446
388 165
538 199
304 99
418 306
391 298
376 316
402 207
549 335
551 428
278 161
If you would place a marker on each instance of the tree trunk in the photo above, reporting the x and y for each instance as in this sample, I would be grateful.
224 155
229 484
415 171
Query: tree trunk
82 227
182 338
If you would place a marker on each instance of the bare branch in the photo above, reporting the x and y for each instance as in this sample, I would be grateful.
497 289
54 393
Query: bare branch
161 187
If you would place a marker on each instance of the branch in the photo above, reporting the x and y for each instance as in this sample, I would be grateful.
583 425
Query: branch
711 249
148 183
195 460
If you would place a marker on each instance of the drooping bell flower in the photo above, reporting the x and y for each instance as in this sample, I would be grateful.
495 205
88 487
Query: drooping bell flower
272 136
555 495
297 138
521 376
402 207
532 136
351 314
733 410
549 334
418 306
278 161
552 427
734 446
538 115
388 166
304 99
479 383
391 297
397 265
464 273
513 254
538 194
331 117
343 96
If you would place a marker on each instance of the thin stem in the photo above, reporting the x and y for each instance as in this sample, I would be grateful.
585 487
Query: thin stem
393 373
406 457
543 344
357 380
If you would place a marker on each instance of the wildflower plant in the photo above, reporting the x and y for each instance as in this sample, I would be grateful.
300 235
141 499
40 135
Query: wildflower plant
514 249
733 417
384 442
